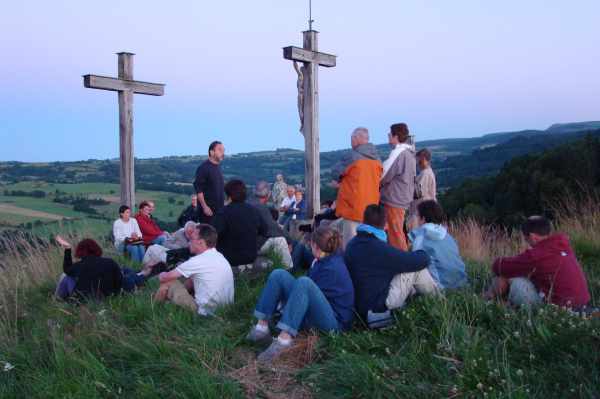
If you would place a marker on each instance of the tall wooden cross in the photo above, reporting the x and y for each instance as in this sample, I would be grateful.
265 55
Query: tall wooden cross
126 87
312 58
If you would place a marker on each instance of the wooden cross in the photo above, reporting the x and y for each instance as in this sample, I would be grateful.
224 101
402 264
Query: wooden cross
311 58
126 87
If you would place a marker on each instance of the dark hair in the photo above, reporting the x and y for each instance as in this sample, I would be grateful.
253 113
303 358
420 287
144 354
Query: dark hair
425 153
143 204
431 211
236 190
400 130
212 146
539 225
374 215
122 209
274 213
327 239
327 203
87 247
207 233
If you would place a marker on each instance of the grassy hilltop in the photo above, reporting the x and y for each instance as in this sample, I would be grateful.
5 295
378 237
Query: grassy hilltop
458 346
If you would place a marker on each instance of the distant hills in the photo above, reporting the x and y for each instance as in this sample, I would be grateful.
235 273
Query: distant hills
454 161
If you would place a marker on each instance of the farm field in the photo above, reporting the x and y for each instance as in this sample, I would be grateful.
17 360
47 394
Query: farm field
43 215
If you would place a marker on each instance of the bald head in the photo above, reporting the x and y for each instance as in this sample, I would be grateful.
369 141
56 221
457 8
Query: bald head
360 136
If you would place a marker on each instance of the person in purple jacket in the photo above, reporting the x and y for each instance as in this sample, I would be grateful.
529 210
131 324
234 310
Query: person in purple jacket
323 300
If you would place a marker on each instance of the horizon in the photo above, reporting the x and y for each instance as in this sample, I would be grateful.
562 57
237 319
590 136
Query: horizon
448 70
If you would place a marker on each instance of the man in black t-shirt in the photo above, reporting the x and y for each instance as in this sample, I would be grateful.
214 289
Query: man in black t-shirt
209 183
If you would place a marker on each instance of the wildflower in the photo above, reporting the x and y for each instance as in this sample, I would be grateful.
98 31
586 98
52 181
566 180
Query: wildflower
102 312
480 386
531 356
520 372
516 334
8 367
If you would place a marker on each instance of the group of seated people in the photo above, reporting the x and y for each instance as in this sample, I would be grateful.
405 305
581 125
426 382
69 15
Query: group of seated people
369 278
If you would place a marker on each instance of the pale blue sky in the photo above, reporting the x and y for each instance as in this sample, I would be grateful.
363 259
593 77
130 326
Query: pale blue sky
447 68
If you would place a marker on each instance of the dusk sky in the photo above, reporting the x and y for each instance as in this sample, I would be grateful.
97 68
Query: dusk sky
447 68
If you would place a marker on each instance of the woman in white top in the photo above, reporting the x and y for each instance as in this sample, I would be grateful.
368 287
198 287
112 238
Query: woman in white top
127 234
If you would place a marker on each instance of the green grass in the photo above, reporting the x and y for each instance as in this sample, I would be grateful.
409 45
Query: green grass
459 346
165 210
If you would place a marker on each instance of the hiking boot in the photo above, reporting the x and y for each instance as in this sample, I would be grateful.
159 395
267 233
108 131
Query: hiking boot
257 336
273 351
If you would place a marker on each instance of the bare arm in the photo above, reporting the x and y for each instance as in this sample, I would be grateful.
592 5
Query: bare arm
167 277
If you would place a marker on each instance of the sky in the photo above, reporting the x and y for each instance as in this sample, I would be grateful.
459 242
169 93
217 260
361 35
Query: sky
447 68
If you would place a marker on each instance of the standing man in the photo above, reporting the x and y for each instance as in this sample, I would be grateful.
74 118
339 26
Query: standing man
398 184
279 189
357 176
209 183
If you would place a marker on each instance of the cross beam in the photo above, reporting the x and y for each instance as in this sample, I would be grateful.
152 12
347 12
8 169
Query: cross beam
302 55
312 58
126 87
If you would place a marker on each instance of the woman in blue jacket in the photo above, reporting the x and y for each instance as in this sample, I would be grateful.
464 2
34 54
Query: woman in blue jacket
323 300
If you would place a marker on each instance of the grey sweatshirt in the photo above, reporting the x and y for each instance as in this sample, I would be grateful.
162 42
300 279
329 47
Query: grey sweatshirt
363 151
398 185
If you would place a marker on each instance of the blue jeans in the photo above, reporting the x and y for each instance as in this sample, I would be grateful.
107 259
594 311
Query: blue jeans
305 305
136 252
160 240
131 279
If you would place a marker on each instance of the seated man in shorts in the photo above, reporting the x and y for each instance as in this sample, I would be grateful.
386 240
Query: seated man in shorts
384 277
546 272
209 279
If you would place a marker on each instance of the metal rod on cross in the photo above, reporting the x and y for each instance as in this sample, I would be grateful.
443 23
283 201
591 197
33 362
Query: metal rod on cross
126 87
311 58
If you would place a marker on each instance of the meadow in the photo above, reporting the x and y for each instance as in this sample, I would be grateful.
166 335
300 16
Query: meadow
456 346
22 211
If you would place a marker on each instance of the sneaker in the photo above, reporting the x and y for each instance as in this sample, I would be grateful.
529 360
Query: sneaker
256 336
274 350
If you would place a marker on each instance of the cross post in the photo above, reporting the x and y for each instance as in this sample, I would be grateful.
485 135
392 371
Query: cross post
126 87
312 58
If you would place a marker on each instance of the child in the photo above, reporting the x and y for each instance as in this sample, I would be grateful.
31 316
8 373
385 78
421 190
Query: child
446 266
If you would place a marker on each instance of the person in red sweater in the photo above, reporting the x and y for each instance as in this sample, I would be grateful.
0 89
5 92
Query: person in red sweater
151 233
547 272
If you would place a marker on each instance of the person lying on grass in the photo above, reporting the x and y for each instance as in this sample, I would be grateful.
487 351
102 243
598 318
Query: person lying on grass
446 266
94 276
384 277
547 272
209 278
323 300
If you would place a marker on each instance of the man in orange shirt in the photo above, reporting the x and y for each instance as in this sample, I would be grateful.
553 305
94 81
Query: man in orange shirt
357 176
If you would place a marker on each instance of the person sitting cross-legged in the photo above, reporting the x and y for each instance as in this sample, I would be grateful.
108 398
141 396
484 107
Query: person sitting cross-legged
546 272
384 277
323 300
446 267
127 235
209 277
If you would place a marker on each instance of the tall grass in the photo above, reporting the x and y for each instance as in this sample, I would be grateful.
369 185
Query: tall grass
457 346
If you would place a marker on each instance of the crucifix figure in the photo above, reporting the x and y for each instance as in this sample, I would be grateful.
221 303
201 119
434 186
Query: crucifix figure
126 87
308 101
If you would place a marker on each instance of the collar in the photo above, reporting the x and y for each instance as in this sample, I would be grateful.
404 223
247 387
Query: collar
378 233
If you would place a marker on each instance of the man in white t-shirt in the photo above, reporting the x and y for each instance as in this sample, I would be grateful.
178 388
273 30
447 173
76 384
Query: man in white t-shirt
209 279
286 204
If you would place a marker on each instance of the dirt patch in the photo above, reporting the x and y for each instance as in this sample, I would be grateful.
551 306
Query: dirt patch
277 380
113 199
15 210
